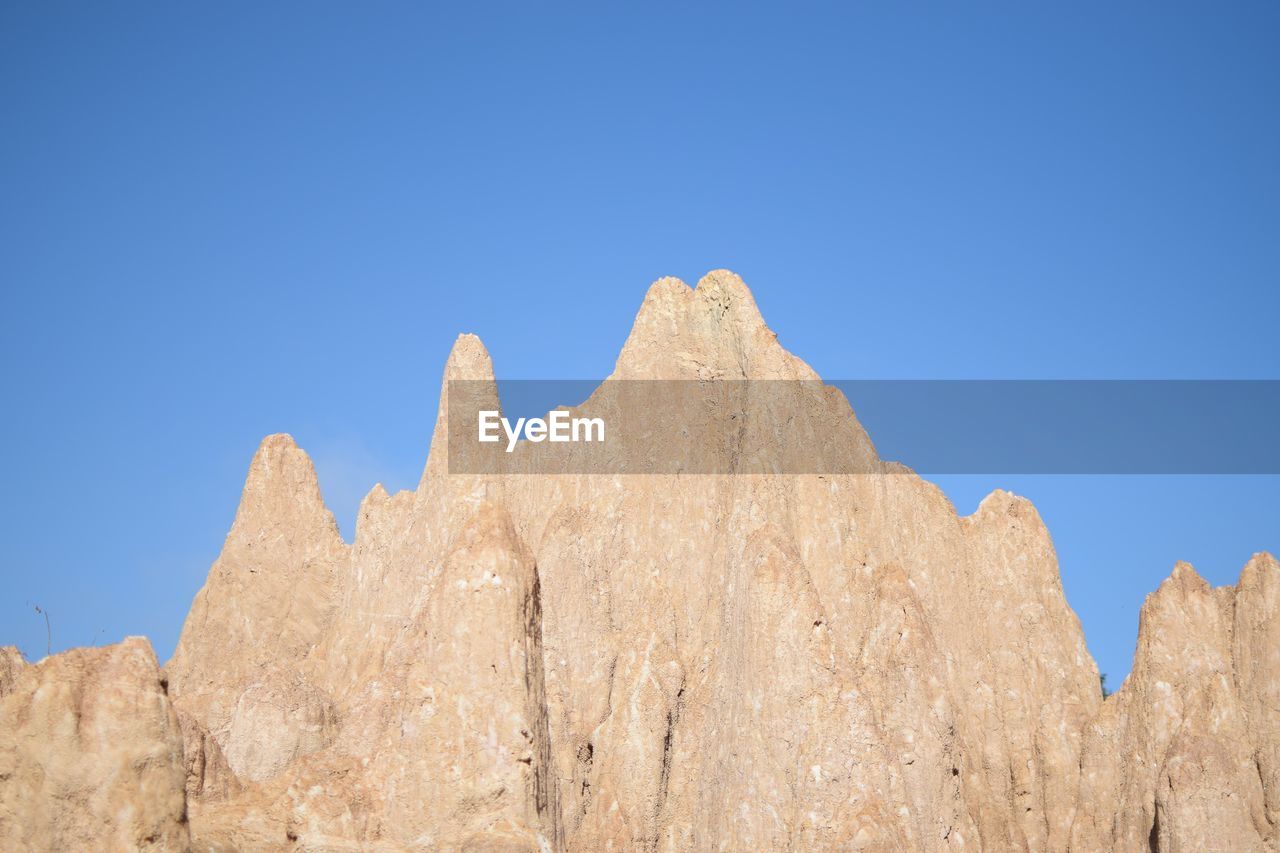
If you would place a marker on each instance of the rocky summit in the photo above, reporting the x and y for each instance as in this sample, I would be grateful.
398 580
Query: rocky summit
589 662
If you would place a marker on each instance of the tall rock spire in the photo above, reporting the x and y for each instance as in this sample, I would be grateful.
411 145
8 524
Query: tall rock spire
749 661
263 608
469 364
269 594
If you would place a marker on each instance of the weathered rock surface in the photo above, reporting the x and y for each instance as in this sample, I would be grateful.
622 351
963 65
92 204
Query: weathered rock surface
11 663
90 753
595 662
246 706
1183 757
732 662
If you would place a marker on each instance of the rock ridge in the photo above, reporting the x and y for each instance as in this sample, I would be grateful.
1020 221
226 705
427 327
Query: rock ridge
666 662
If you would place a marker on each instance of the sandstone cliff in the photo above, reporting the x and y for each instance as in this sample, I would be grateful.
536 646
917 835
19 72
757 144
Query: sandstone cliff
90 752
735 662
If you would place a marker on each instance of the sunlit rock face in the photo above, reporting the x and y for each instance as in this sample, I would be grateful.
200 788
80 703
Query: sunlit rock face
664 662
90 752
1184 756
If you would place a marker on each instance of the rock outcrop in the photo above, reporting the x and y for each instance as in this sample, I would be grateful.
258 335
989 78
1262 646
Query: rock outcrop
729 661
1183 757
589 662
90 753
246 707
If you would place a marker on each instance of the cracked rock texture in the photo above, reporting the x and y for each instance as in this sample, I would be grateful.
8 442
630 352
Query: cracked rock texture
716 662
90 752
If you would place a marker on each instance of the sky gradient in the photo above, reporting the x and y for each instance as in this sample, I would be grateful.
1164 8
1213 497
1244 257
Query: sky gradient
223 222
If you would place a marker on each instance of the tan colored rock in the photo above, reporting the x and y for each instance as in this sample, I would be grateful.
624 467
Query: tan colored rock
1182 756
11 663
207 772
1256 664
720 661
90 753
278 719
237 674
464 670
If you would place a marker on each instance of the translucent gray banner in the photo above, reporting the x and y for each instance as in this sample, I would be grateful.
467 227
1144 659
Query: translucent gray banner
808 427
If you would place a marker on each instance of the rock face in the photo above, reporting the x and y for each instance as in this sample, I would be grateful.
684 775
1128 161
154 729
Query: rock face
90 753
743 661
1184 756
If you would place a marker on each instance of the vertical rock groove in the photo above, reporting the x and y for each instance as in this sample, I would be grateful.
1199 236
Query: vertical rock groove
546 800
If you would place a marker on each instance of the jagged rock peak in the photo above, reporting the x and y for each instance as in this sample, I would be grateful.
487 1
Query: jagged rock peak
1186 754
725 289
1000 501
1261 570
1184 578
719 289
378 494
270 593
713 331
675 663
282 487
468 359
1181 606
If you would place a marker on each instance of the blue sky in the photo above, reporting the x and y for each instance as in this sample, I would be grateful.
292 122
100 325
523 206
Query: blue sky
223 221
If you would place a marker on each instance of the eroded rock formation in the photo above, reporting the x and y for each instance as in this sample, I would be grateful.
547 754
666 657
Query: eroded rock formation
90 752
736 662
1184 756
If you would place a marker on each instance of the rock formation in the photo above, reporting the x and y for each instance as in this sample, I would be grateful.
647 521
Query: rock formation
742 661
90 752
1184 756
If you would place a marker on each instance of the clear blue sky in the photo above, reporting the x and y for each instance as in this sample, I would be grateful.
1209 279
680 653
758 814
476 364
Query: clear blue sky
220 221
